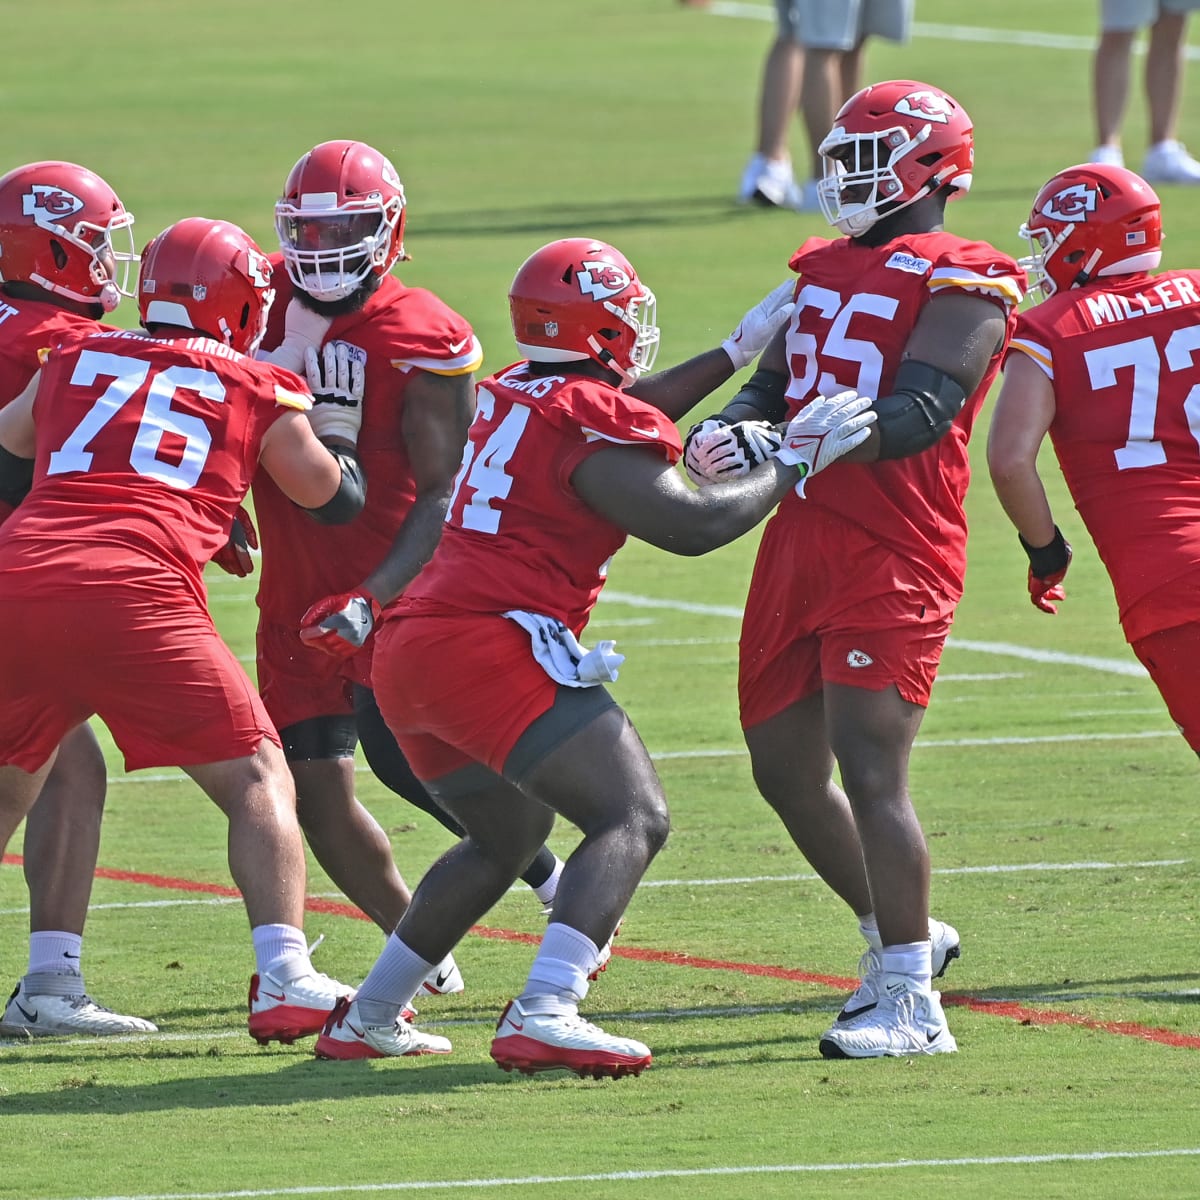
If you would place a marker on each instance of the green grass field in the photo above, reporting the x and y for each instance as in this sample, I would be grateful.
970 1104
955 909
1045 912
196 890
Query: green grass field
1058 799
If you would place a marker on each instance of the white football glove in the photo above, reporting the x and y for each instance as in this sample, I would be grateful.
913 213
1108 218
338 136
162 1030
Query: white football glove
758 326
823 430
729 451
336 380
303 329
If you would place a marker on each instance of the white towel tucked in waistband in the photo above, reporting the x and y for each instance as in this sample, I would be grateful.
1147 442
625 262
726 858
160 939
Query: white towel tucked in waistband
562 657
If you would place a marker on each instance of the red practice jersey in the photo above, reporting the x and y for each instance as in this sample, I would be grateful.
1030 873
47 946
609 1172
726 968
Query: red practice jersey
1123 355
144 450
517 536
399 330
26 328
856 306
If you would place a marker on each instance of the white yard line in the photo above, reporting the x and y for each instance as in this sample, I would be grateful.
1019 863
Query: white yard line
560 1181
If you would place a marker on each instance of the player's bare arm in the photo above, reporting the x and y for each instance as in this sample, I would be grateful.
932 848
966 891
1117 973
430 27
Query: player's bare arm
437 413
307 472
1021 419
16 423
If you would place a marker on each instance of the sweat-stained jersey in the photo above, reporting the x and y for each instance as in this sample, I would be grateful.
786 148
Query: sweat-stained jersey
144 450
856 307
517 535
399 330
1123 356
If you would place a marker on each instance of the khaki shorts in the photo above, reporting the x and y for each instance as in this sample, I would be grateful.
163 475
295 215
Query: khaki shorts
827 26
1125 16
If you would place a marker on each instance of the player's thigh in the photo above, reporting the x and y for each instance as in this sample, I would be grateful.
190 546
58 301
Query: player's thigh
179 697
592 767
468 682
1172 657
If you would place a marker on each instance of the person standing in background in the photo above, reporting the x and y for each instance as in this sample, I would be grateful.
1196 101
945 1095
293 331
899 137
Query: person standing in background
815 64
1166 161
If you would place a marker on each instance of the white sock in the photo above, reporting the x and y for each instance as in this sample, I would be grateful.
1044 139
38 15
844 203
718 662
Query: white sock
869 928
281 952
546 891
910 959
563 962
55 950
391 983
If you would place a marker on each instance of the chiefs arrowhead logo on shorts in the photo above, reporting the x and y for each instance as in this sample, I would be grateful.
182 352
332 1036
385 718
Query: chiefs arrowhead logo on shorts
928 106
600 280
859 658
49 205
1071 204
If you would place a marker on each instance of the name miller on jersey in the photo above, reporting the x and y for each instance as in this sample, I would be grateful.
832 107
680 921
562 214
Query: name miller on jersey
1105 308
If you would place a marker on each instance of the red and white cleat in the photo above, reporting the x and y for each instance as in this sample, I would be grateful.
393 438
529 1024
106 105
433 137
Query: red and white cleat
346 1037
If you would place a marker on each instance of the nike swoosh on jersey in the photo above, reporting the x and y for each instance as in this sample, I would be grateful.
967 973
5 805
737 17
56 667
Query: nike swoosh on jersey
650 433
459 347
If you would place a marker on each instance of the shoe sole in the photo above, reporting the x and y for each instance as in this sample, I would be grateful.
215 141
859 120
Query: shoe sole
333 1050
531 1058
286 1025
942 1045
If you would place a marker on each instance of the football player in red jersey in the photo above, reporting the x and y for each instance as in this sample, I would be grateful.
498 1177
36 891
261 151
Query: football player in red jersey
341 223
479 671
66 253
144 444
1107 364
404 360
839 671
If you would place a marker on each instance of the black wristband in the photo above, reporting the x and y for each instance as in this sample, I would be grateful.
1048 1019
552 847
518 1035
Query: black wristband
1046 560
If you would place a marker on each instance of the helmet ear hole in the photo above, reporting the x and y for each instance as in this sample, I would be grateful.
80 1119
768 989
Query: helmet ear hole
60 255
245 321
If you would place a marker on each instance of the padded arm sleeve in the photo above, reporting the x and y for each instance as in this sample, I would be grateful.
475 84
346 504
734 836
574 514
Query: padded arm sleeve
347 502
919 410
764 393
16 477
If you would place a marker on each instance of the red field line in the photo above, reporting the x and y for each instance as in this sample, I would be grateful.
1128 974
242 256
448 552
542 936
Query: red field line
991 1008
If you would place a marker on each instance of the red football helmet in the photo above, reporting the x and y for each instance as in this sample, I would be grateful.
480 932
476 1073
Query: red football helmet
577 299
340 219
57 224
208 276
1088 221
891 144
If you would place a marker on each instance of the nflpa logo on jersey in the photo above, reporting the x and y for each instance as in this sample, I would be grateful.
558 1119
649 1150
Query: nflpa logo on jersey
49 205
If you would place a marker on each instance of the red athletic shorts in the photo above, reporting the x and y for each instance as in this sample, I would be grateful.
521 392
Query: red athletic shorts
456 690
829 604
151 666
1172 656
298 682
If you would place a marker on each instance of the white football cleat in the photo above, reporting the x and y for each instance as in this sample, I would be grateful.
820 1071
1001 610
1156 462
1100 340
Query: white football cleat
283 1012
543 1033
903 1023
1169 162
346 1036
944 947
445 979
52 1003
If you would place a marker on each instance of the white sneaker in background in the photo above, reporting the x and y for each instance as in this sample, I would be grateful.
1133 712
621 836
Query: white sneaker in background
770 183
1108 156
1169 162
905 1022
445 979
